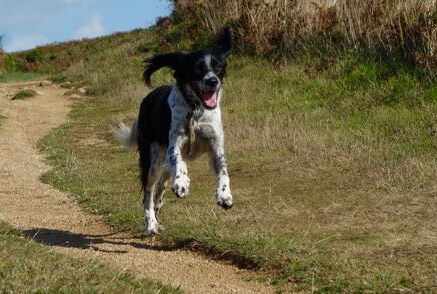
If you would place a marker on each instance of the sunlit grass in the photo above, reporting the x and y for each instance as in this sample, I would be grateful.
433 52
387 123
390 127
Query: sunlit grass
332 170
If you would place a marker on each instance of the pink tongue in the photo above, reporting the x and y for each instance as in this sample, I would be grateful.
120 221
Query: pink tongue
210 99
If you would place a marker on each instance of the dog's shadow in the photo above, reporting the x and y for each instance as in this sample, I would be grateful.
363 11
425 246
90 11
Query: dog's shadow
60 238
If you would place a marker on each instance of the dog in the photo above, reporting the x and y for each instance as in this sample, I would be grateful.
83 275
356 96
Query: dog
180 122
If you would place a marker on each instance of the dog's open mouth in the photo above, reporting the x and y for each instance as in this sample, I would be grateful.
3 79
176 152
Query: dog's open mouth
209 99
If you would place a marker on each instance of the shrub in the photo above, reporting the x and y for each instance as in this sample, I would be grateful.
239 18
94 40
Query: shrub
11 63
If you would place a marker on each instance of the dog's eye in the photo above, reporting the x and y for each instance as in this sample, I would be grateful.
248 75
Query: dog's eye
200 67
217 65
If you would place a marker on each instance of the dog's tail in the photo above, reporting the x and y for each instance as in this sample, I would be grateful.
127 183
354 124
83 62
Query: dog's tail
128 137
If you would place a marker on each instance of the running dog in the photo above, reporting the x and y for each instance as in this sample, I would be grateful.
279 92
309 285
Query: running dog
180 122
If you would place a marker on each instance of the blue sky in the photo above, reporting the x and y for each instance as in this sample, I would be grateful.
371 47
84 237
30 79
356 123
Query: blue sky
25 24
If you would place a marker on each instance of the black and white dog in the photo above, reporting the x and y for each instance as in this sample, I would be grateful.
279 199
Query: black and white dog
180 122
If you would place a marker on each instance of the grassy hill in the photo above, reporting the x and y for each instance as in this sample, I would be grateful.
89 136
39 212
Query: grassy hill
332 162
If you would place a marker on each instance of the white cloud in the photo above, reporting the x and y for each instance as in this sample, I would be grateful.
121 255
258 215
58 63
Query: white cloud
92 28
19 43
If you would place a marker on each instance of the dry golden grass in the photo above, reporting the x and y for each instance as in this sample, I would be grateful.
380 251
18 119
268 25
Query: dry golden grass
285 27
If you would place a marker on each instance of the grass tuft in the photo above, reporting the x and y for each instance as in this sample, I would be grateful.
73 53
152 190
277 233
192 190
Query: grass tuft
24 94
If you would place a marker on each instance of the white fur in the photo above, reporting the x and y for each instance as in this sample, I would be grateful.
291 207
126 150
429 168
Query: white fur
210 138
128 137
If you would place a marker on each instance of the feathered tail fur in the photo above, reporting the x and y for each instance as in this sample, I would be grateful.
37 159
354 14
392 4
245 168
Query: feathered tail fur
128 137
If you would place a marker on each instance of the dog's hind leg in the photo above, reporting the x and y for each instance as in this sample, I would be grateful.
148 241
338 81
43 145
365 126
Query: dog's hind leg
159 192
149 160
150 222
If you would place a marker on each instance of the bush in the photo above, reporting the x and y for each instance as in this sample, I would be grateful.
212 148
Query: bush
11 63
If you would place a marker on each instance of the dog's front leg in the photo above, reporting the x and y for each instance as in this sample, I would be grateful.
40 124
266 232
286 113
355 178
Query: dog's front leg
178 167
218 162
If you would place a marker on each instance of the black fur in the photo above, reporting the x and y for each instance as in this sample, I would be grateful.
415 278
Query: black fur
223 43
154 122
171 60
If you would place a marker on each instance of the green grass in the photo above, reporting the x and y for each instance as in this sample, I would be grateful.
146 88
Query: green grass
24 94
19 76
26 267
332 166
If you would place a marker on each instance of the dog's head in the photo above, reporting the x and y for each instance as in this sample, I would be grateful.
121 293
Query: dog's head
199 73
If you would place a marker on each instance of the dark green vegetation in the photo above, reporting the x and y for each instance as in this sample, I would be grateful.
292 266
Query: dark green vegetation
24 94
29 267
332 162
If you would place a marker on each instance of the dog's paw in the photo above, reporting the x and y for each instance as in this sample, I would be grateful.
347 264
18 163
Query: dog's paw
150 232
224 199
151 228
181 186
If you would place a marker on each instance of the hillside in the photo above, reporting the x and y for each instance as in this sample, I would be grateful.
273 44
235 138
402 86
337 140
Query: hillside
332 162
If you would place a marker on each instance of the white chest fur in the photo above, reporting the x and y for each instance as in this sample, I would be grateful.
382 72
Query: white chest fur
208 127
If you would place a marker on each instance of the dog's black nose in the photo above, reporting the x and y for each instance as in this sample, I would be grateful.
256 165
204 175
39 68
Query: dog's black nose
212 82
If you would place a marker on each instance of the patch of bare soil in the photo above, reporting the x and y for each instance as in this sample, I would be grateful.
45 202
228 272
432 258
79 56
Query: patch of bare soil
51 217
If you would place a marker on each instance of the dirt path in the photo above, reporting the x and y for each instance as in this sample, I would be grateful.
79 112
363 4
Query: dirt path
50 216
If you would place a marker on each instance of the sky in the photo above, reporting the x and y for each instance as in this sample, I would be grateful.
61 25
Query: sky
25 24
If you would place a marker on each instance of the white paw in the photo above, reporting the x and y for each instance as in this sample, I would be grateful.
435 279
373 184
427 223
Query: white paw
181 185
151 228
224 198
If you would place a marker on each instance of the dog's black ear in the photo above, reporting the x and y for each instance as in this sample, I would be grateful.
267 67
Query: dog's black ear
171 60
223 43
